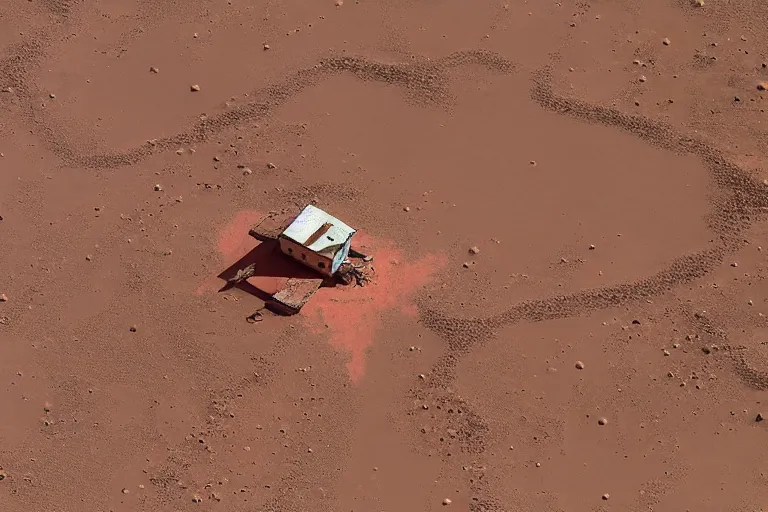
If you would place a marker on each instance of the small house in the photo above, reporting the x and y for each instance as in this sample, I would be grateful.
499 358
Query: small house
317 239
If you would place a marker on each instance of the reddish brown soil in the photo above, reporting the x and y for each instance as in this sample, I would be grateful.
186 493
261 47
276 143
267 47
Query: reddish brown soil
614 182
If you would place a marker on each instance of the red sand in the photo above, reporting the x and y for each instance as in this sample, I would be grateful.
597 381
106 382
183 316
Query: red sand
605 349
353 315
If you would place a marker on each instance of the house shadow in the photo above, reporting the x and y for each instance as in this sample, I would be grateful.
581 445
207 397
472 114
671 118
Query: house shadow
272 270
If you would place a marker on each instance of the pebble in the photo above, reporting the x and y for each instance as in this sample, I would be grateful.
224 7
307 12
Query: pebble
579 365
606 497
602 421
666 41
446 501
194 88
153 69
474 250
3 297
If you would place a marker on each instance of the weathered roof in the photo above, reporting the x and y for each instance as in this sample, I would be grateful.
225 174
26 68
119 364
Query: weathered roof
319 231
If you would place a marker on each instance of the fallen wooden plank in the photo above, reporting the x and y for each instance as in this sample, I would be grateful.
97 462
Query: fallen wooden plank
296 292
270 227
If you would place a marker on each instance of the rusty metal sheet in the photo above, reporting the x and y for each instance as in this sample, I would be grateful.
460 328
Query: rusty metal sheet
271 226
296 292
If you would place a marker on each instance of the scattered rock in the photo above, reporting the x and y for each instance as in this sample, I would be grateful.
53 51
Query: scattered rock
247 172
158 188
635 322
666 41
266 47
642 78
446 501
474 250
339 3
706 350
270 165
602 421
194 88
734 264
665 352
759 417
153 69
466 264
762 86
592 247
132 328
406 208
698 3
52 96
126 491
606 497
196 499
88 257
579 365
3 475
3 297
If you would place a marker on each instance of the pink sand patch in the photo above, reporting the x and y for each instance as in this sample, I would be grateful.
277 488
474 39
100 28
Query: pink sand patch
232 243
353 314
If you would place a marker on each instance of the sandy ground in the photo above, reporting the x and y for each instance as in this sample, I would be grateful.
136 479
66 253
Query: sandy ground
605 349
